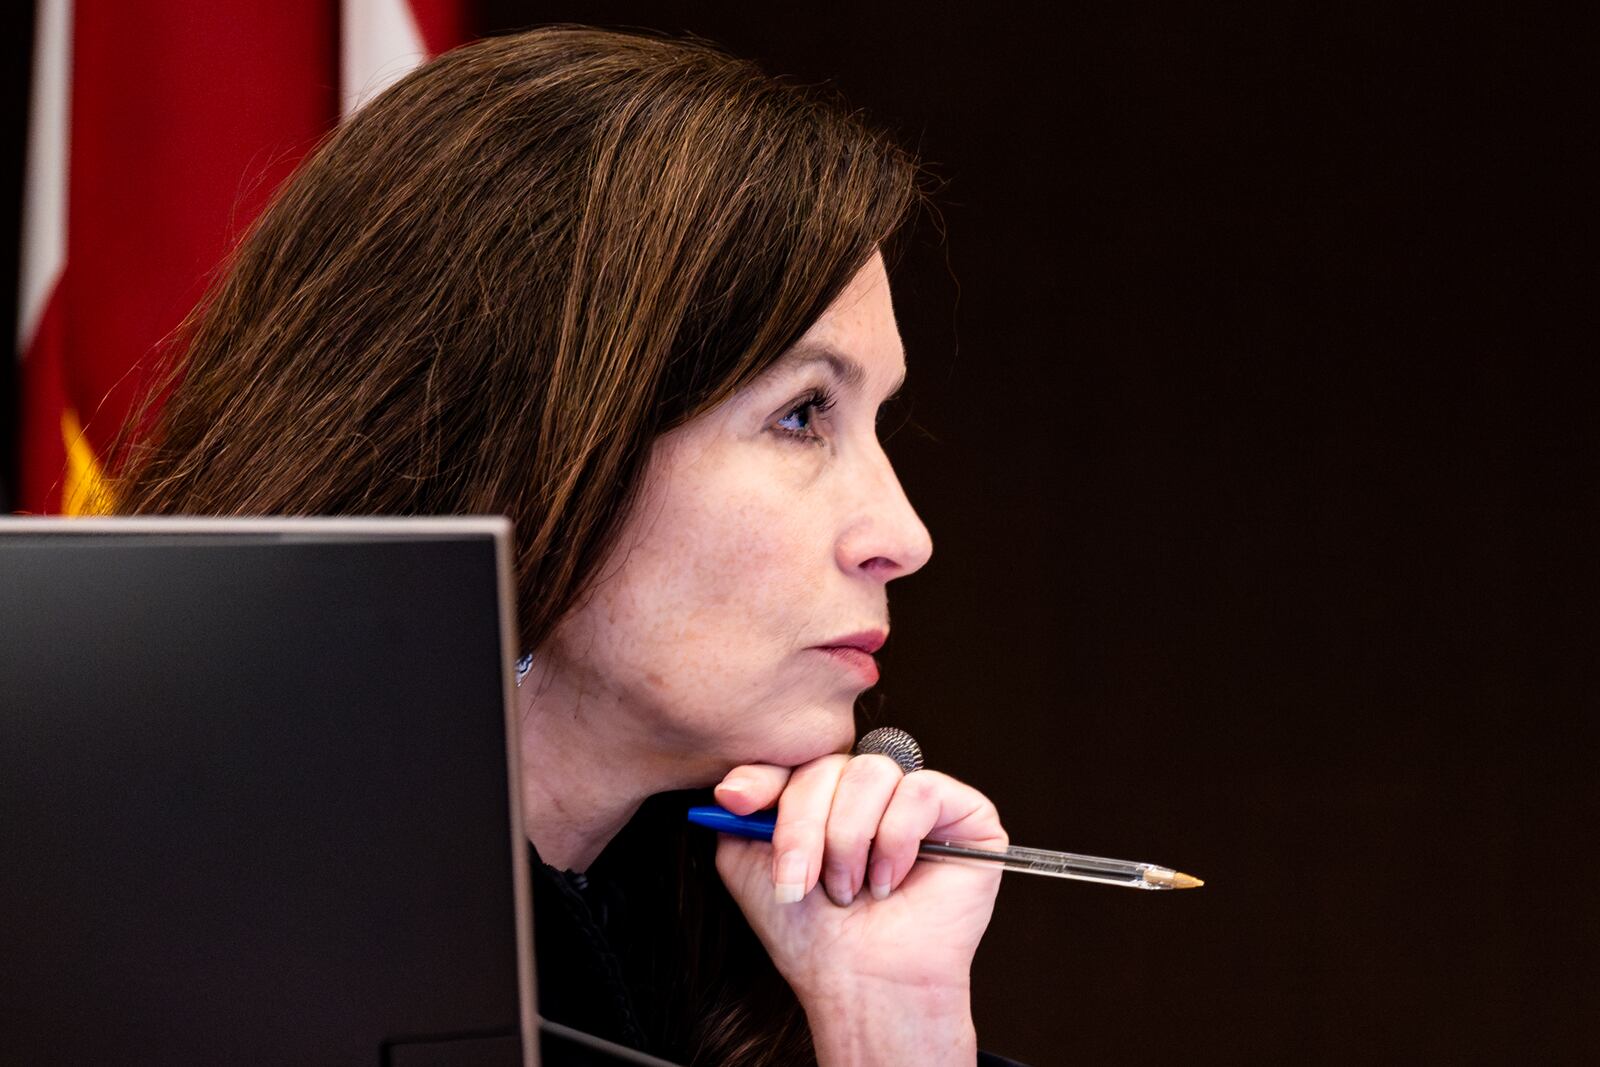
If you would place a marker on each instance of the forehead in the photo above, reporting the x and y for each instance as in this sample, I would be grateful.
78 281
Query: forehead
857 337
845 366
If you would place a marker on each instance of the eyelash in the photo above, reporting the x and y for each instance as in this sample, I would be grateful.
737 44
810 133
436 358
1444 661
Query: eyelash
819 400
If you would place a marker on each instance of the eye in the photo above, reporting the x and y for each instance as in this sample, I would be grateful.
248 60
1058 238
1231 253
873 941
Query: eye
800 419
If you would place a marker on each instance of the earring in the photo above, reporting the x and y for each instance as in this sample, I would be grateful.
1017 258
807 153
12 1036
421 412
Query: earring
524 665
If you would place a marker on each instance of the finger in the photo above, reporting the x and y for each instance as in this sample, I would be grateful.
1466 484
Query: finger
744 868
859 801
751 787
929 804
798 836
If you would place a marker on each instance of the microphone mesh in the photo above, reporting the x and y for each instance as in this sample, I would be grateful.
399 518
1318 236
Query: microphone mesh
895 743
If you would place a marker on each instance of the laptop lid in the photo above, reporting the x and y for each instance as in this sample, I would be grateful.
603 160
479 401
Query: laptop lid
258 793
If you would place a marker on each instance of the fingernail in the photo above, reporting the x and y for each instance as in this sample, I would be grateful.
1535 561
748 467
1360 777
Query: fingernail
791 880
736 784
882 871
839 887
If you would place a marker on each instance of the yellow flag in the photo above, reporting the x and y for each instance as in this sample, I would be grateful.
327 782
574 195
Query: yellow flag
85 491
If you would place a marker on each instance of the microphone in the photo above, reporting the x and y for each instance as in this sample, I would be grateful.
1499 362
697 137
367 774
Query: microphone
893 742
901 747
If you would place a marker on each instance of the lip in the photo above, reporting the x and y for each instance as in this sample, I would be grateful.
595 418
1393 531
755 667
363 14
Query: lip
854 651
854 659
868 641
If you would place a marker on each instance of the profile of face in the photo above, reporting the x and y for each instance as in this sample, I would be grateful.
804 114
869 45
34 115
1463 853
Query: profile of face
767 529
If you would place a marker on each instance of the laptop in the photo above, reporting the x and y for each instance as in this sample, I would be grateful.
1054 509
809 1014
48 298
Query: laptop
258 793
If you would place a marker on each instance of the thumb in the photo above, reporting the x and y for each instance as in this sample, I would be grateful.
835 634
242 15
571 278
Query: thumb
746 869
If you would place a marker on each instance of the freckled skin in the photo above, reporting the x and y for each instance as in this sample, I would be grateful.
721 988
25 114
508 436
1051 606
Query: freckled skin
749 547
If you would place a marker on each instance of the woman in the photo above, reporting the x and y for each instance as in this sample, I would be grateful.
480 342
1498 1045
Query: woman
630 292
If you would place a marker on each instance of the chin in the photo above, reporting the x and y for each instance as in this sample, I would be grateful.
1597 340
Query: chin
820 731
802 736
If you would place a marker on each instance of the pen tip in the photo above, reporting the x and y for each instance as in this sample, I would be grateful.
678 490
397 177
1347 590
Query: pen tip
1163 878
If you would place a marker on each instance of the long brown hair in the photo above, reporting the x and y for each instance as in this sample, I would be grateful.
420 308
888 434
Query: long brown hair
493 289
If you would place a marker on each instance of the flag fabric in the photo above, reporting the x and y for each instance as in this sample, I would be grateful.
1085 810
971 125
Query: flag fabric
157 131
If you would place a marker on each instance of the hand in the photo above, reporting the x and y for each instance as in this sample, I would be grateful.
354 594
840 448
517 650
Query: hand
885 928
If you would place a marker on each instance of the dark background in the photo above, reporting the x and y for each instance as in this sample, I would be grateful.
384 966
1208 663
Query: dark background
1251 416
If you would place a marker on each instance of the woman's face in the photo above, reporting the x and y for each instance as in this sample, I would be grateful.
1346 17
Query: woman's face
767 529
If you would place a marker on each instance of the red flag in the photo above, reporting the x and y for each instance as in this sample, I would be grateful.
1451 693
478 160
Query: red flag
158 130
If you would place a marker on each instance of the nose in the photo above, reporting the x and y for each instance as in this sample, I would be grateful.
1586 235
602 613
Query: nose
883 538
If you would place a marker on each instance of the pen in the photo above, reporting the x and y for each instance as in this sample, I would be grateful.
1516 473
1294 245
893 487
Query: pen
1135 875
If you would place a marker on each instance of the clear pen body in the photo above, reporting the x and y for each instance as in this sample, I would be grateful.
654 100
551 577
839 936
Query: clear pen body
1130 873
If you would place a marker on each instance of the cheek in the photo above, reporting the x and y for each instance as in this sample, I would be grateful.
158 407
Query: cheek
712 602
735 560
750 568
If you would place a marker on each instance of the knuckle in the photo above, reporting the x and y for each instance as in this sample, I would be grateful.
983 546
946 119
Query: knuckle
922 786
990 814
893 836
847 840
873 767
797 831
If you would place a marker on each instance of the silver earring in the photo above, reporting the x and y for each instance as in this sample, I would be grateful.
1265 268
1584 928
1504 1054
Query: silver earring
524 665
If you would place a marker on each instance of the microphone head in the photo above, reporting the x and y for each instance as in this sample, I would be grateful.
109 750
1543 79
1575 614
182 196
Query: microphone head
895 743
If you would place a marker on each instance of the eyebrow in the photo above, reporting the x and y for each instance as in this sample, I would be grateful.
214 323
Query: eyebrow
846 369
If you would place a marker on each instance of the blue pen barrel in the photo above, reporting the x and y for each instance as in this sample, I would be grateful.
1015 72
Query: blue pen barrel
1130 873
756 826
